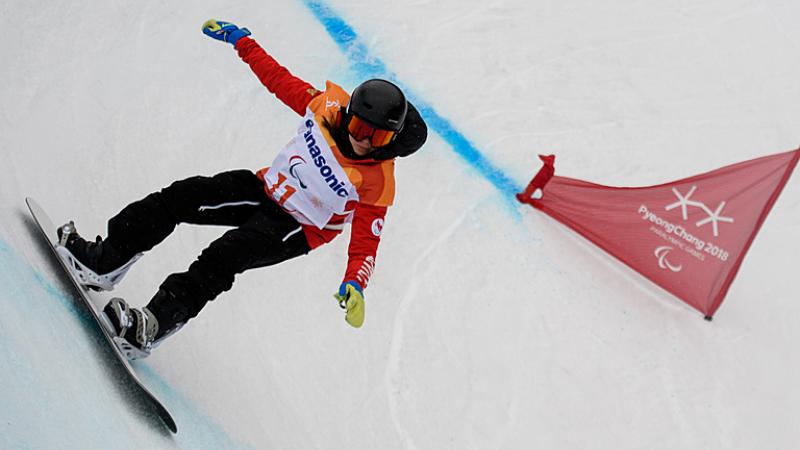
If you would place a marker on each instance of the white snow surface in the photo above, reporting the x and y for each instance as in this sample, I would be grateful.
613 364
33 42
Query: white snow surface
488 325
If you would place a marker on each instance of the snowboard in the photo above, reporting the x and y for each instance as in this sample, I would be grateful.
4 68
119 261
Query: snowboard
94 302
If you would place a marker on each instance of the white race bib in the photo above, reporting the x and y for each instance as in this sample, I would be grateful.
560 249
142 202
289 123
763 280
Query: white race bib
307 180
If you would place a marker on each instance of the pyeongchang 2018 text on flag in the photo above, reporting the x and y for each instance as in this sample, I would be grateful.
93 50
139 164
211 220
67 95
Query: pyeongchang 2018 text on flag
689 236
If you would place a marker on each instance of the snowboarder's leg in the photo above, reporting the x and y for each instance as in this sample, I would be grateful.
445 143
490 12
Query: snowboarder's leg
228 198
269 237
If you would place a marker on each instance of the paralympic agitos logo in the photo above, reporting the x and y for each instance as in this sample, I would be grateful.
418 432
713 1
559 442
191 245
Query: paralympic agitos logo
325 170
661 253
295 161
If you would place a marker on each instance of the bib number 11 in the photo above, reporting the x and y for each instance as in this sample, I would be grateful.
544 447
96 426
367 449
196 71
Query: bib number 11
274 189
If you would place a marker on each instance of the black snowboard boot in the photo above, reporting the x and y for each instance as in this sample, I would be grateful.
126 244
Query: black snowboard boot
134 330
138 332
96 264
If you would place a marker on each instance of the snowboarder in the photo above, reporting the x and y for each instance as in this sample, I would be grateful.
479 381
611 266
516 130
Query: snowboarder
338 168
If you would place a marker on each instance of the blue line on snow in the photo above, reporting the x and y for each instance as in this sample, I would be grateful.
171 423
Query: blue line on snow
368 66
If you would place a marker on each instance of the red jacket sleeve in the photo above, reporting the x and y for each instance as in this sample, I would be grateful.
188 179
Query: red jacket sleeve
289 89
365 235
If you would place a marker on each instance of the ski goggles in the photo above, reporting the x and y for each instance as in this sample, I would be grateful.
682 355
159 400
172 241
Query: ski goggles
360 129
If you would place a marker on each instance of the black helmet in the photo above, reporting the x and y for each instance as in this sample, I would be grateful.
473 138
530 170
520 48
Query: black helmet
382 105
379 103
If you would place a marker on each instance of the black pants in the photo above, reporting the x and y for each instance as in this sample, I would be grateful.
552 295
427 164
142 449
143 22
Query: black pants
264 234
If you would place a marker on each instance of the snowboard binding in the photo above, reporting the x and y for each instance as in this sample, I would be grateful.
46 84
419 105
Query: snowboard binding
134 331
83 259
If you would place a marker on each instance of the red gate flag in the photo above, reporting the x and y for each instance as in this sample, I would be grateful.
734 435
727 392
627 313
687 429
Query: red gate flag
689 236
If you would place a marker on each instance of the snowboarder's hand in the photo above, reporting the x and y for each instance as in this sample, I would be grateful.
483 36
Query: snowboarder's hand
351 298
224 31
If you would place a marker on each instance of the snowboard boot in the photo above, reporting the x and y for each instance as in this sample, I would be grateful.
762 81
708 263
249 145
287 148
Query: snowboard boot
95 265
134 331
137 332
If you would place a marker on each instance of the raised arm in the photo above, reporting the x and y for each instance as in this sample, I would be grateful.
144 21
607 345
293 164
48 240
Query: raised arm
291 90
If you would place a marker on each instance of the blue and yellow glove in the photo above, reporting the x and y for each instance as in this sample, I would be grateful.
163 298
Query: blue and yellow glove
224 31
351 299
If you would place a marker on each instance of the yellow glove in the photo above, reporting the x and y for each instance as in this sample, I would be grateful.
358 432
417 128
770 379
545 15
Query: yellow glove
351 299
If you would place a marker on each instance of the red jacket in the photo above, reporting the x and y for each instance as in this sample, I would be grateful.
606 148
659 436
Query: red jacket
374 180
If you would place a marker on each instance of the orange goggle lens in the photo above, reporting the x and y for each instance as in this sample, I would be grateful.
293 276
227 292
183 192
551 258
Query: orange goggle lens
360 130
